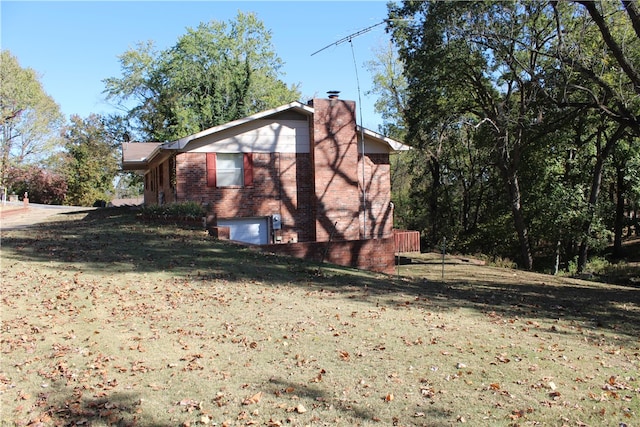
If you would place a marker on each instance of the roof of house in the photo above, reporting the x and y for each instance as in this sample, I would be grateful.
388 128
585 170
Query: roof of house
136 155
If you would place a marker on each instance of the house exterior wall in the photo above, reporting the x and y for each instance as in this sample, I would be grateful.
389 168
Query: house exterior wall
281 183
308 171
281 133
371 254
335 158
378 222
158 188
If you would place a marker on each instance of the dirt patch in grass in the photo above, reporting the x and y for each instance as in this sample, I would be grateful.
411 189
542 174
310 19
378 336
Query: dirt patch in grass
106 320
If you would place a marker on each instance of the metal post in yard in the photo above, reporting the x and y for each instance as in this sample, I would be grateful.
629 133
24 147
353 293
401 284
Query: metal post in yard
444 249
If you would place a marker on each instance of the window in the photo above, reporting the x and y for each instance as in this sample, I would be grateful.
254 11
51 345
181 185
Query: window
229 169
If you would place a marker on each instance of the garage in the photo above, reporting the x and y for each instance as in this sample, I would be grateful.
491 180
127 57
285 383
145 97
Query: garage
247 230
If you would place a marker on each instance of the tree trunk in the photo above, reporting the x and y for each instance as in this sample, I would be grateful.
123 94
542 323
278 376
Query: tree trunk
519 220
596 183
508 165
434 168
556 263
618 227
583 251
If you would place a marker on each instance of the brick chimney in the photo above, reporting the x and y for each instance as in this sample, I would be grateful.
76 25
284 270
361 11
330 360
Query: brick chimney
335 158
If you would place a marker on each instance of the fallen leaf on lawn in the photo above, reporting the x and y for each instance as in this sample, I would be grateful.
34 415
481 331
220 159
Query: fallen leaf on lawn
253 399
318 377
516 414
388 397
344 355
494 386
502 358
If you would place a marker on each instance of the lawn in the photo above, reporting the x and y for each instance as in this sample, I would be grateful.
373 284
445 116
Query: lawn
110 321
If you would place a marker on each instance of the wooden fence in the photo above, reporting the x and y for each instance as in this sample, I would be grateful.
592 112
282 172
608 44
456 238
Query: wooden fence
406 241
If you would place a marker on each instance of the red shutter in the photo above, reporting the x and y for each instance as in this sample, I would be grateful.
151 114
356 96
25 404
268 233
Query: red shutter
248 169
211 169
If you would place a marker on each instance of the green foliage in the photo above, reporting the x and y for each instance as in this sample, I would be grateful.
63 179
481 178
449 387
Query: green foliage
90 163
215 73
189 209
29 118
515 110
129 185
41 185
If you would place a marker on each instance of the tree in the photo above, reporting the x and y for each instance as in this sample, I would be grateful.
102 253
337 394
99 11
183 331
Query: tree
390 86
41 185
29 118
90 163
215 73
550 97
478 61
598 73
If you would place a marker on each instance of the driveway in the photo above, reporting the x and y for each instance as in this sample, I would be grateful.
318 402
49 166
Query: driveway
15 215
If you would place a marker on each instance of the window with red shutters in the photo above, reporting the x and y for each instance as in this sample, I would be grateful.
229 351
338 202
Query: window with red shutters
229 169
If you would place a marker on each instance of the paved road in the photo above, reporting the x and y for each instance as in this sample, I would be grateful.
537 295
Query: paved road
14 215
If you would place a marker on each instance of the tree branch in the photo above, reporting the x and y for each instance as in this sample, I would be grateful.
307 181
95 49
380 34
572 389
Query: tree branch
634 15
611 43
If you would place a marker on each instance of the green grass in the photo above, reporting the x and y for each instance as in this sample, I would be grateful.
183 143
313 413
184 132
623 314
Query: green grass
110 321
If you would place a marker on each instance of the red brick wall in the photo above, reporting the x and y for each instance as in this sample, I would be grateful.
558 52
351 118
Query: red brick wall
338 199
157 181
280 186
379 219
372 254
317 194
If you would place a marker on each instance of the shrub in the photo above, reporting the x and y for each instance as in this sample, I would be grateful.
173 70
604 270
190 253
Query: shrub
41 185
191 210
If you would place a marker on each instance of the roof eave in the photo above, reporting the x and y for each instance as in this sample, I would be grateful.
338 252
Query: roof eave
141 163
392 143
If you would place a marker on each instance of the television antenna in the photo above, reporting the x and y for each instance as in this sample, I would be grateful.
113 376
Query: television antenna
350 36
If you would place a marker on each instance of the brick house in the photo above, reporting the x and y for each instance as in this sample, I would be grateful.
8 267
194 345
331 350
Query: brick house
294 174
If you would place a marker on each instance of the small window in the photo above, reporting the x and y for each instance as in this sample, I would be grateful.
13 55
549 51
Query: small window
229 169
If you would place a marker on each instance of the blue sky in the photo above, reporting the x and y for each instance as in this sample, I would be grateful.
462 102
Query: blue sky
74 45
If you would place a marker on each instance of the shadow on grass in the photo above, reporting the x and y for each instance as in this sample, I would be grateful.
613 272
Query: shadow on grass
67 408
319 397
114 241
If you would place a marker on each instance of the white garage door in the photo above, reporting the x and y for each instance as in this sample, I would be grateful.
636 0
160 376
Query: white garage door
248 230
